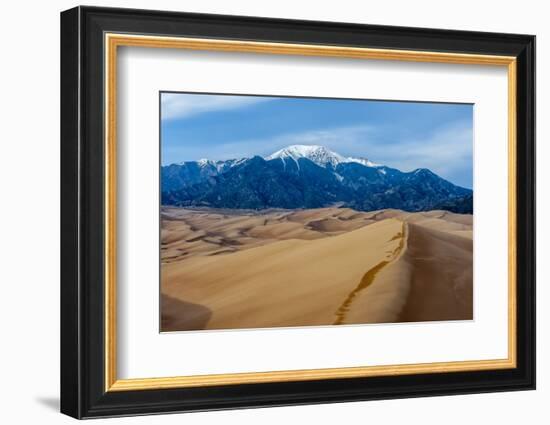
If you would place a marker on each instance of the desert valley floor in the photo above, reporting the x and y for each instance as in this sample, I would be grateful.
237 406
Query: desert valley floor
230 269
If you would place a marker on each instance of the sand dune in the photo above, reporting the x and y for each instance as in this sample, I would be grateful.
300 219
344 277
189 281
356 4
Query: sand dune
383 300
243 269
286 283
441 266
187 233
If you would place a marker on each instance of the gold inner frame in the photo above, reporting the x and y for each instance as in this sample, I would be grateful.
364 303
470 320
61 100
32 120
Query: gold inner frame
113 41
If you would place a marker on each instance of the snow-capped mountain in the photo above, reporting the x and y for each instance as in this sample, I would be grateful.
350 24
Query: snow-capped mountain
189 173
302 176
220 166
320 155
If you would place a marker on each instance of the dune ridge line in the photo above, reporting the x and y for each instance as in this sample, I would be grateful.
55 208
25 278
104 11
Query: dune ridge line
226 269
369 277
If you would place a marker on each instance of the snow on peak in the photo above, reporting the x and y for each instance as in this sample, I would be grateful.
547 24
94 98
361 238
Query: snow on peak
204 161
230 163
364 161
219 165
320 155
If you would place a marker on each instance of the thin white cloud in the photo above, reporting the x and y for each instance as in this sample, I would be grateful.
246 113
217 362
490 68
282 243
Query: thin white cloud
338 139
447 151
180 106
341 139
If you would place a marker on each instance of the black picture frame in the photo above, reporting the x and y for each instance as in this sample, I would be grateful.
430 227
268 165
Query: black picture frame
83 392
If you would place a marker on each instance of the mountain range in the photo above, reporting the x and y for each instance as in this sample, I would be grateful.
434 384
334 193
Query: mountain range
308 176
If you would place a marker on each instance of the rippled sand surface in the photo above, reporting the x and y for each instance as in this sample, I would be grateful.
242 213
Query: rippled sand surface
227 269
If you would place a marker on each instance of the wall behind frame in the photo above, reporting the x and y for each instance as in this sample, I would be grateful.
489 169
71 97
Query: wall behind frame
29 219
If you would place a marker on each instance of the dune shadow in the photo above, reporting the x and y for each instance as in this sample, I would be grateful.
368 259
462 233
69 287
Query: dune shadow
442 277
178 315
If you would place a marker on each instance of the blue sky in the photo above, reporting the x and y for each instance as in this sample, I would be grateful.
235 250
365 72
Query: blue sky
403 135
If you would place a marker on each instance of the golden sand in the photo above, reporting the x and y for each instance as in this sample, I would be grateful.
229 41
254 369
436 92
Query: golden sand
224 269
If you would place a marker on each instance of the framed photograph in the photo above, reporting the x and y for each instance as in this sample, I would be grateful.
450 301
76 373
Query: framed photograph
261 212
